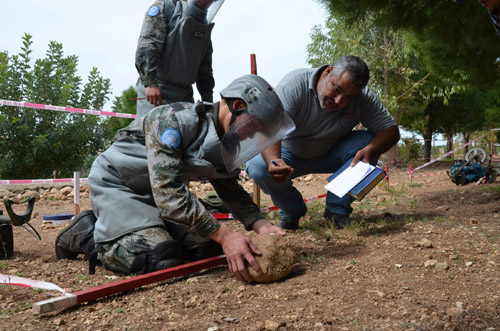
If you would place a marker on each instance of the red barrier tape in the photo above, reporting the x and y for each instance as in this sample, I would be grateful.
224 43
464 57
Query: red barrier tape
64 109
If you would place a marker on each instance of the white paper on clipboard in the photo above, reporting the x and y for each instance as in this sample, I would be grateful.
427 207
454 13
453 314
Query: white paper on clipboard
346 180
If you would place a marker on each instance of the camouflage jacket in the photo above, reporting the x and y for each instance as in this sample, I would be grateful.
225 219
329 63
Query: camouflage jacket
181 145
174 48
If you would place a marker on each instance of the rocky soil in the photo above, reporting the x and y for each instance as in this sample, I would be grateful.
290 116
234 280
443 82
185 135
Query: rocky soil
421 255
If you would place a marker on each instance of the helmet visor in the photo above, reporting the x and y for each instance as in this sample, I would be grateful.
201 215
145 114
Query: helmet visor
210 6
248 136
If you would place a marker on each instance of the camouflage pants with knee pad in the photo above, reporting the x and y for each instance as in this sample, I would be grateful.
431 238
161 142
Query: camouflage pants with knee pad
120 255
154 249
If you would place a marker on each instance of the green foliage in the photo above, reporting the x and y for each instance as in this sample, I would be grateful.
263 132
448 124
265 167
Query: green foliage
409 151
35 143
383 50
444 34
123 104
406 46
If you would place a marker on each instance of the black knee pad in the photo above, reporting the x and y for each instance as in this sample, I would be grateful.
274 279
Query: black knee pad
164 255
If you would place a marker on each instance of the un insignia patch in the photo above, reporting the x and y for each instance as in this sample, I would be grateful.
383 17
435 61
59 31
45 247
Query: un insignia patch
171 137
153 11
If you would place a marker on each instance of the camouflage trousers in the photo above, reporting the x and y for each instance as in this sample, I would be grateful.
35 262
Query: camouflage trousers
120 254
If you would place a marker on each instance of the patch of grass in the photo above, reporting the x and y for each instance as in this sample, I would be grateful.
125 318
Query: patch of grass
3 266
21 306
457 257
82 276
403 189
352 262
439 220
22 274
412 203
490 188
312 258
415 185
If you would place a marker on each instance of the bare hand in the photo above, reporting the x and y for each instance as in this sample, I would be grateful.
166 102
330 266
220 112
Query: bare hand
153 96
237 248
361 155
279 170
264 226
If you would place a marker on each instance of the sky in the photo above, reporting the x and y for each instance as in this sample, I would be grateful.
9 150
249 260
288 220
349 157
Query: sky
104 34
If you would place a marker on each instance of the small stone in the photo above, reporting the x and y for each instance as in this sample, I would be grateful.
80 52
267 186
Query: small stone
430 263
454 311
426 243
442 266
58 321
468 264
271 325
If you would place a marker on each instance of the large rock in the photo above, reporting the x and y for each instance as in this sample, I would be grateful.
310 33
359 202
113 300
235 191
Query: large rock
276 260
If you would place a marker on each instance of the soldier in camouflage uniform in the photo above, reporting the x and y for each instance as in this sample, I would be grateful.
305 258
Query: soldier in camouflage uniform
147 219
174 51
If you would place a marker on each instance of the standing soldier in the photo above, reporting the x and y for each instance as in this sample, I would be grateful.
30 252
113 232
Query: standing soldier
174 51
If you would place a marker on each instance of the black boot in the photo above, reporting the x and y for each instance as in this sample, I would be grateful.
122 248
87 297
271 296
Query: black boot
77 237
165 255
206 249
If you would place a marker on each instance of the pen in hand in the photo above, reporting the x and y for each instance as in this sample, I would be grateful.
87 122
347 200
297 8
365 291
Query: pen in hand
275 163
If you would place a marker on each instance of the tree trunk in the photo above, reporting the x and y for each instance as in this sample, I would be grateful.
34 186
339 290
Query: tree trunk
392 154
428 141
449 143
466 140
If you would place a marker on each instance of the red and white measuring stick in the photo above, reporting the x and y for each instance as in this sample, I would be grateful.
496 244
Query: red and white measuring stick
69 300
26 282
24 104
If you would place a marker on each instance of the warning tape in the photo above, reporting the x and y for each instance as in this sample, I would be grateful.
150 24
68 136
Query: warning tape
444 155
38 181
432 174
226 216
64 109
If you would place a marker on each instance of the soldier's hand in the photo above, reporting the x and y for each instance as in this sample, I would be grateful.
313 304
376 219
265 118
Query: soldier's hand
279 170
237 248
264 226
153 96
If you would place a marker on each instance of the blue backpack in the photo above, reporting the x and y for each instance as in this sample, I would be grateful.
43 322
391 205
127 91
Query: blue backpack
463 172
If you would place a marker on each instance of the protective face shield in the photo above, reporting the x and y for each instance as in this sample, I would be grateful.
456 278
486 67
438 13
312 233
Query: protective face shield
263 123
210 6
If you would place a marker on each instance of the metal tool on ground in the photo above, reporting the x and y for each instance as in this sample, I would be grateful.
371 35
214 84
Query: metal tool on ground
69 300
21 219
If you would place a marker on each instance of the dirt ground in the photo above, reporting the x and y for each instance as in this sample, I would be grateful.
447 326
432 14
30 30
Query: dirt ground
422 255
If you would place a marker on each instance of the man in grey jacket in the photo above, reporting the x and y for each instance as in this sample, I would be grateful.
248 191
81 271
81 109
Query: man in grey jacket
326 104
147 219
